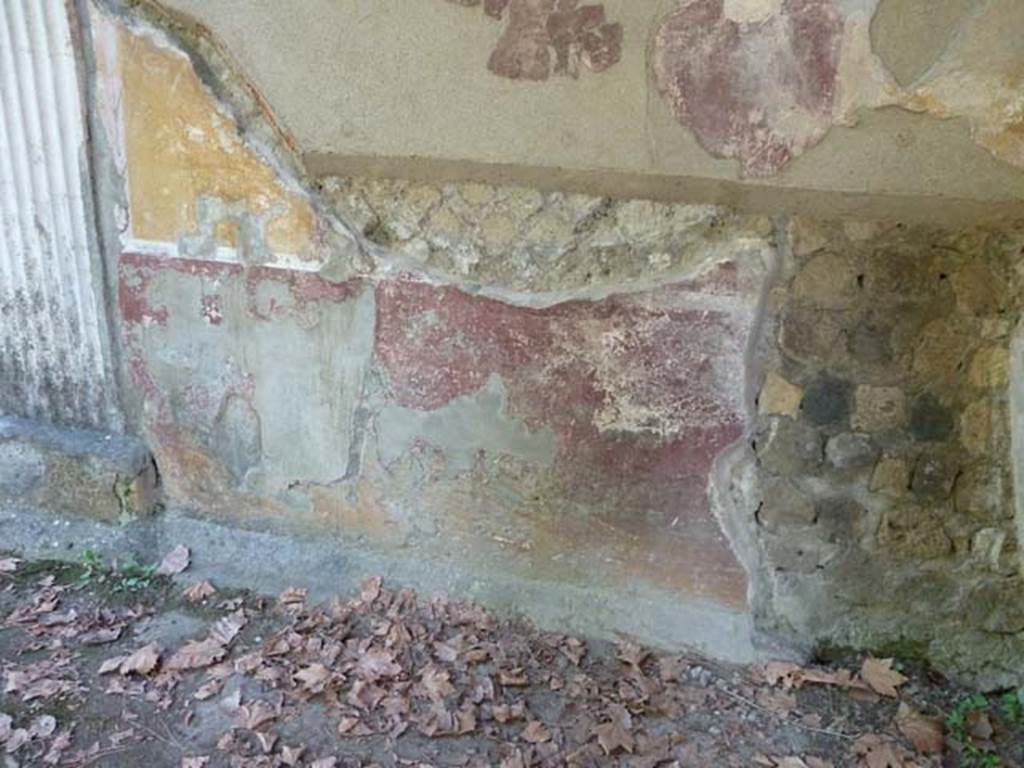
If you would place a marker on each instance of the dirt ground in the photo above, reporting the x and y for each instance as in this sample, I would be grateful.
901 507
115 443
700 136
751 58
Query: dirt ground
116 664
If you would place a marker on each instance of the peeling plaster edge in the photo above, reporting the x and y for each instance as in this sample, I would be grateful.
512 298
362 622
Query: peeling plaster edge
1016 396
391 266
733 483
221 255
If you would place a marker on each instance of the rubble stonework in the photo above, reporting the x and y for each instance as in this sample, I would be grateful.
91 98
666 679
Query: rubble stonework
905 398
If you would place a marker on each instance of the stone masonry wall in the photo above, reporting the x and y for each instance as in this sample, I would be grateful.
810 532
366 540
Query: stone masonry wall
884 447
669 421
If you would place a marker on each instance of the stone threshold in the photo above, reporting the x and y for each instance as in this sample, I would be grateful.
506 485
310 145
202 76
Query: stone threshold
99 475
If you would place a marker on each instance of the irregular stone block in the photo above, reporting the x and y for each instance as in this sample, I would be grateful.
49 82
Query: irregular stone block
976 423
75 472
930 420
990 368
808 334
790 448
912 532
934 476
851 451
827 401
891 476
878 409
778 397
941 349
841 520
784 505
827 281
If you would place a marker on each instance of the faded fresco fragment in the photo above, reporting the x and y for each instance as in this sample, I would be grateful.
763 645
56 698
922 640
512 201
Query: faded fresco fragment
551 37
754 81
762 81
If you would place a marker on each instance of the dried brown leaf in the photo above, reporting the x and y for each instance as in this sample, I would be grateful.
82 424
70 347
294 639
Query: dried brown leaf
353 726
376 665
883 679
435 682
226 629
786 673
370 590
925 733
199 591
536 732
513 678
196 654
632 654
208 690
255 715
293 596
101 636
314 677
878 753
141 662
176 561
612 737
267 742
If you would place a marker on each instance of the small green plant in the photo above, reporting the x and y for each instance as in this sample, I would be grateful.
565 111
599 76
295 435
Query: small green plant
132 577
127 576
93 568
1011 708
957 721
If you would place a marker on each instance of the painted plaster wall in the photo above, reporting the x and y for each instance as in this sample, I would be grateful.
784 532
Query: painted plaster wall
733 421
545 92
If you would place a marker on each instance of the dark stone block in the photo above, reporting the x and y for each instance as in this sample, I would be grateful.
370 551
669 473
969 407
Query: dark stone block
930 420
934 476
827 401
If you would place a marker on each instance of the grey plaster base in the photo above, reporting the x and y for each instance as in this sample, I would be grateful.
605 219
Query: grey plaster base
269 562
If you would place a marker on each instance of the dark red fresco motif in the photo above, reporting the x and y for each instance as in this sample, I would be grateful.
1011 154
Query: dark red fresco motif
551 37
761 91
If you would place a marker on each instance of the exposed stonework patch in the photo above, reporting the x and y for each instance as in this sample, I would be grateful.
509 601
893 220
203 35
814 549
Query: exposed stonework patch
761 91
902 443
524 240
551 37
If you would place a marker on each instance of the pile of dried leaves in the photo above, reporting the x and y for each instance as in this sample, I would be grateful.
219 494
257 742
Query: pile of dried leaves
386 678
